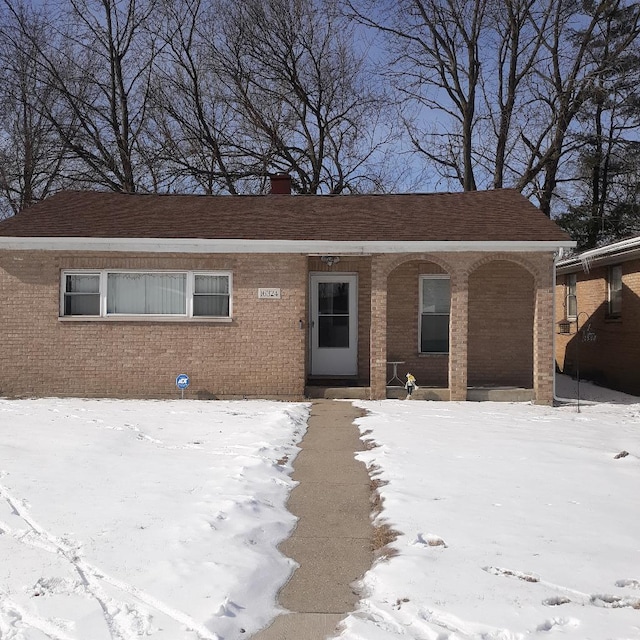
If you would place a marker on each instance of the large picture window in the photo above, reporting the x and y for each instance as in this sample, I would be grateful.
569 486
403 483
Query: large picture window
176 294
435 304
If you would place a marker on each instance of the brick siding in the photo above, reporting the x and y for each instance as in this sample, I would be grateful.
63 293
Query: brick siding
501 313
613 358
260 353
501 325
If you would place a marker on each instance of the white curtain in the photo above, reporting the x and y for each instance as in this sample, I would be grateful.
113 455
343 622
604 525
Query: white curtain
82 283
147 293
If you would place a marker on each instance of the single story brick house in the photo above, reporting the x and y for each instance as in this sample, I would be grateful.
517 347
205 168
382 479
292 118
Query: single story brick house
109 294
598 315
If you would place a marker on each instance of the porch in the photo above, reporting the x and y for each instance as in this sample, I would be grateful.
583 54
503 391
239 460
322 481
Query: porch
468 325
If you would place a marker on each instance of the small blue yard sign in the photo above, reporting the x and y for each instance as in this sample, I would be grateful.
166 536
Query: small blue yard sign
182 381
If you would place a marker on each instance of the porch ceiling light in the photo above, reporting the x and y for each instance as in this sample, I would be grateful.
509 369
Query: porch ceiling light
330 260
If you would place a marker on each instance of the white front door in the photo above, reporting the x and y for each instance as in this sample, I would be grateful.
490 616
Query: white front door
334 324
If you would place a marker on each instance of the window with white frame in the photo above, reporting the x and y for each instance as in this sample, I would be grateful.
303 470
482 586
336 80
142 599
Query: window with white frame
435 304
571 305
615 290
119 293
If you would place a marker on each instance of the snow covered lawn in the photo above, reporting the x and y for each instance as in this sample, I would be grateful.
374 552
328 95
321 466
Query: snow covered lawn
516 521
129 519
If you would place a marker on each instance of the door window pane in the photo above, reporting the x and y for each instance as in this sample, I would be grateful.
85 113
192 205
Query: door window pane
333 332
333 297
333 315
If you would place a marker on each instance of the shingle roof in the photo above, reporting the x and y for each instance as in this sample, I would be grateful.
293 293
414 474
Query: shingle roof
499 215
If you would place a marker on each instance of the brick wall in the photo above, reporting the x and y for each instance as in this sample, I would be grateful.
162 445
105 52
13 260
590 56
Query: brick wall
612 358
501 314
260 353
263 351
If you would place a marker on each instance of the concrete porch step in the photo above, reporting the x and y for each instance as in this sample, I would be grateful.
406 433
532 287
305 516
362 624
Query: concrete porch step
338 393
474 394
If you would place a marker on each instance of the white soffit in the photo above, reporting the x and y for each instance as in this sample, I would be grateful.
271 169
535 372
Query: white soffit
314 247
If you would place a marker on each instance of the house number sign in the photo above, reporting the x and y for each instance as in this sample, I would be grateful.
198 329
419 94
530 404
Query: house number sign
269 294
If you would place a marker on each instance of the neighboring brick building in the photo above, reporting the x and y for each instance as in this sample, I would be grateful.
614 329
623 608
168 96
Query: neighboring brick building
107 294
598 315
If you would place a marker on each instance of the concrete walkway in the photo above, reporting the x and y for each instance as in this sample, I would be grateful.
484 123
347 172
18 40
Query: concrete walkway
333 539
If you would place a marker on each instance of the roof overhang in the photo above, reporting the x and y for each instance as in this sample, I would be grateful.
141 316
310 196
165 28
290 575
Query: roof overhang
602 256
314 247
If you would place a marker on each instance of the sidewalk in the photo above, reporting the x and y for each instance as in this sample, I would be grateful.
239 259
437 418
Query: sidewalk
333 539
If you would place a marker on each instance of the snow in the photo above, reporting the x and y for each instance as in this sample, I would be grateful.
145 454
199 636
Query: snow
516 521
130 519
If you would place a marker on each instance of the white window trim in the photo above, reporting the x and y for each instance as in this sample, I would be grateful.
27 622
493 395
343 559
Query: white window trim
432 276
165 317
568 295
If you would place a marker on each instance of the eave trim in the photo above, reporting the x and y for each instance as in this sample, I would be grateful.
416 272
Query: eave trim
318 247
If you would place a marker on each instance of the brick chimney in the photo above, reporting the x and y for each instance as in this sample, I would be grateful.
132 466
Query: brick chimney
280 184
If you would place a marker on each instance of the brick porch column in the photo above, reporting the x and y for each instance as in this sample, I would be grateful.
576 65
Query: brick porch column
458 335
543 328
378 334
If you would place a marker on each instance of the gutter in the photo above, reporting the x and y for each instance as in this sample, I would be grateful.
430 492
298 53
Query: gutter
609 254
310 247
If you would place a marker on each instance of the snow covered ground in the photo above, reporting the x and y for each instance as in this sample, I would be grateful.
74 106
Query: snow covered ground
126 519
129 519
516 521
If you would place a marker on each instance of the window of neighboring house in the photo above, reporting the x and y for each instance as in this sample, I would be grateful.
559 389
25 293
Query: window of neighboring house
571 298
180 294
615 290
435 303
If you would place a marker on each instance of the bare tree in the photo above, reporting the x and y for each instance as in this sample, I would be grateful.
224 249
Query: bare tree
31 154
563 81
606 206
98 63
511 48
194 118
301 91
497 84
435 62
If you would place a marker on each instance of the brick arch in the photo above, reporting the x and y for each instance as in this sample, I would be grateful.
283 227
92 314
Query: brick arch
504 256
418 257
